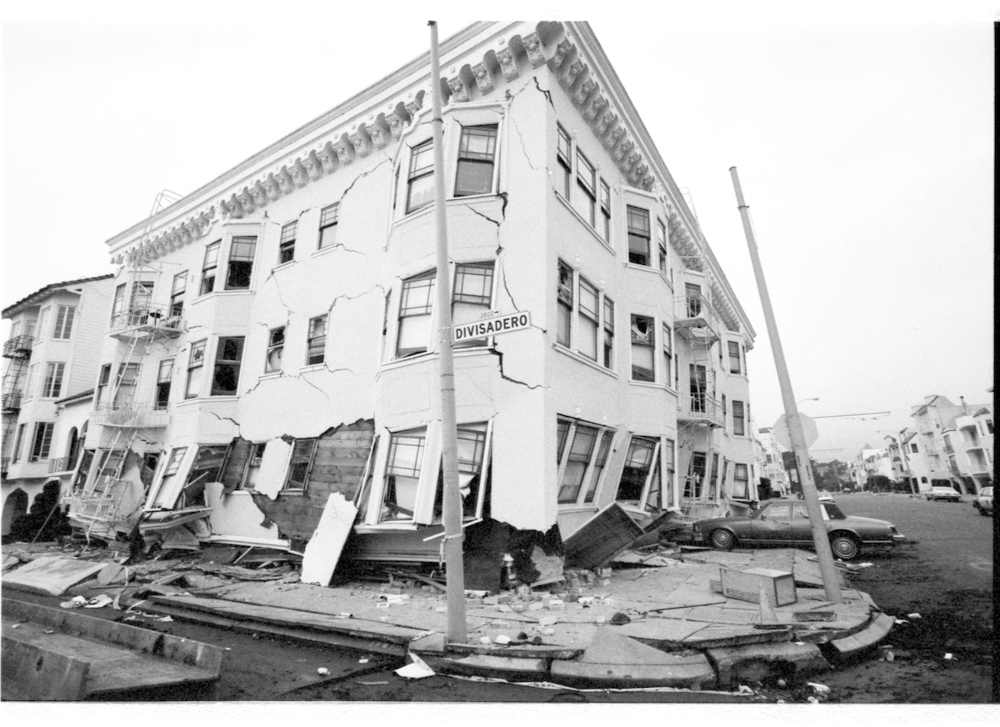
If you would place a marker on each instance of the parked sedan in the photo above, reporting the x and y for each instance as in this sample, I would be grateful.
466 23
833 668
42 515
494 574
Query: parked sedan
786 522
984 501
939 492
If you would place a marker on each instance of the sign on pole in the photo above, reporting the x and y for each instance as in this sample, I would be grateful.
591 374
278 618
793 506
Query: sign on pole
492 326
782 436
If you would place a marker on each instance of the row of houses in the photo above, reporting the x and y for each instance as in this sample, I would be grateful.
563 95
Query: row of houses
271 338
947 444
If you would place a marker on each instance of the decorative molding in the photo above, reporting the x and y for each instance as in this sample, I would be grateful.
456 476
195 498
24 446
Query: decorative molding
360 141
508 63
484 77
459 91
535 50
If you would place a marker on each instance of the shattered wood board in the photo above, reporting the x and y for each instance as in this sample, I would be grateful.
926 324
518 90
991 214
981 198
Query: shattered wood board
601 538
324 548
51 575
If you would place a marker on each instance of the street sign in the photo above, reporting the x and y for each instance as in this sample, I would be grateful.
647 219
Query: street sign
491 326
782 436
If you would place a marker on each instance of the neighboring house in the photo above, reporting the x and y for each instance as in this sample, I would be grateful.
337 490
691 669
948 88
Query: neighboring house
273 334
773 466
951 453
870 462
51 353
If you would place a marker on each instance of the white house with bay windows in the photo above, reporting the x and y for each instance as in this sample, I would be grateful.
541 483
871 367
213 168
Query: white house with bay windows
274 338
50 353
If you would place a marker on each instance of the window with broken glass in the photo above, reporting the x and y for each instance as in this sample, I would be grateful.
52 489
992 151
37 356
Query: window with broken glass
228 358
564 297
316 341
476 160
643 345
420 178
164 493
286 245
275 347
415 308
241 254
402 475
195 370
640 485
638 235
581 464
696 475
252 470
471 296
163 379
299 464
471 442
209 268
207 467
329 218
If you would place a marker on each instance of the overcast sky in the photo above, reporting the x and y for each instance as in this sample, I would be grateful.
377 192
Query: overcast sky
863 139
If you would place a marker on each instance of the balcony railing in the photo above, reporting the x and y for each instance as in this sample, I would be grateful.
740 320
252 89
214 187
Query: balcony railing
701 408
12 402
696 319
60 464
140 416
150 318
18 347
99 507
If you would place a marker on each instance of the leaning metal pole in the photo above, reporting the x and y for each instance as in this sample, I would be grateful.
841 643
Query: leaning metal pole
449 432
820 538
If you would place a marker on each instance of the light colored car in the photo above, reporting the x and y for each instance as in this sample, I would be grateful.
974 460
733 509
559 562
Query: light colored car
939 492
984 501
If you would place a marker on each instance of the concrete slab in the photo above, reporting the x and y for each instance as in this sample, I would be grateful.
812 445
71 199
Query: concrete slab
661 632
610 647
682 671
503 667
872 634
51 575
759 662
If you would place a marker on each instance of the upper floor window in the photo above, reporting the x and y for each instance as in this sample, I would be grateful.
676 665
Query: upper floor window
64 322
329 218
638 235
228 358
420 178
668 354
209 268
275 346
586 182
415 308
471 296
42 441
163 378
316 341
739 421
661 244
241 252
564 151
15 453
29 385
609 333
103 381
196 370
286 247
643 345
43 317
606 210
53 380
734 357
476 160
692 293
177 291
564 294
589 317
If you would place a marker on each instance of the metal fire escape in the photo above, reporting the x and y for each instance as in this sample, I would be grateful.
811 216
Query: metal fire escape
101 508
18 350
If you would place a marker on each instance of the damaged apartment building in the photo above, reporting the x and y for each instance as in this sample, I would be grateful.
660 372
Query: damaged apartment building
273 339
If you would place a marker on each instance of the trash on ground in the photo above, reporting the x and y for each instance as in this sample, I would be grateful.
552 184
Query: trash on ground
99 601
323 671
75 602
417 669
819 688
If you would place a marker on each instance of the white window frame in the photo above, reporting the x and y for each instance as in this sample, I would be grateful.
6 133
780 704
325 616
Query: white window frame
286 244
54 375
64 322
275 350
636 339
595 470
329 220
316 340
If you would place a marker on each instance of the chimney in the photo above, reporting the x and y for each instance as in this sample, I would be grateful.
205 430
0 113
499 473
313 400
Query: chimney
965 409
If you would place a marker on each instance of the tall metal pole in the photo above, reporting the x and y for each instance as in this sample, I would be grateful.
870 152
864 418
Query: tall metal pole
821 539
449 429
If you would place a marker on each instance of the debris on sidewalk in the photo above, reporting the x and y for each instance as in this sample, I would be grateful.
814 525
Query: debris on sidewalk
416 669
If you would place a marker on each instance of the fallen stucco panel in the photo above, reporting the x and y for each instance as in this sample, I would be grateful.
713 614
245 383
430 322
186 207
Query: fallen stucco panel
272 468
324 548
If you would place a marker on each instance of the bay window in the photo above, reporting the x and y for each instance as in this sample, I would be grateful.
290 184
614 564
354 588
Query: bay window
415 308
476 160
643 345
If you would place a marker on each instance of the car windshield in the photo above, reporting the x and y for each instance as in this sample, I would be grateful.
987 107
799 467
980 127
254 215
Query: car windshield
834 512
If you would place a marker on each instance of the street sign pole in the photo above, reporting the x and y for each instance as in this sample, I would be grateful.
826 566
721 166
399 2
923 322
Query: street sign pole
455 573
821 540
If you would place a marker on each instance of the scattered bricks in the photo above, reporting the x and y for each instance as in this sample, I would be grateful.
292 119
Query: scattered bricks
536 606
760 662
547 620
491 601
556 604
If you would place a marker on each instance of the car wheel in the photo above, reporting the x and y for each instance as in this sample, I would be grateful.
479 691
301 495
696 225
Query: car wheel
723 539
845 547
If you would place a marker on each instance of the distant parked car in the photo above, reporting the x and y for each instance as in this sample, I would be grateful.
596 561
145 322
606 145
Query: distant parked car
939 492
786 522
984 501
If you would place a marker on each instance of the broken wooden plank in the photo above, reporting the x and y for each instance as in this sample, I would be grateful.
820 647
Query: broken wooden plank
51 575
601 538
